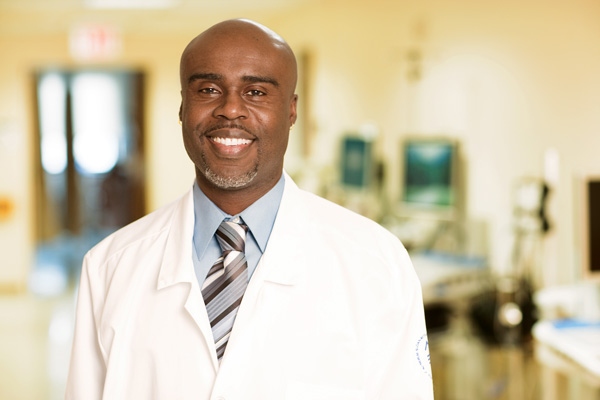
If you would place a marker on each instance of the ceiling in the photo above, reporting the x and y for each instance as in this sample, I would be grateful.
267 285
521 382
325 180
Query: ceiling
195 5
49 16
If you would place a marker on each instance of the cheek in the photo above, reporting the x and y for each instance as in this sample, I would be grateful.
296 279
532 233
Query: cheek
284 142
193 112
192 143
190 149
280 135
275 148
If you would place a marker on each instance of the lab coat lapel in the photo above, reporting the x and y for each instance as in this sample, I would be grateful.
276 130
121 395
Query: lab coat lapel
177 267
282 261
279 270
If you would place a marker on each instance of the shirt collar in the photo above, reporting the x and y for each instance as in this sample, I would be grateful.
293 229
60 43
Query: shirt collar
259 216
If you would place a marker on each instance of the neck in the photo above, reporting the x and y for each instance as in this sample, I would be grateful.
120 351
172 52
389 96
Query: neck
234 201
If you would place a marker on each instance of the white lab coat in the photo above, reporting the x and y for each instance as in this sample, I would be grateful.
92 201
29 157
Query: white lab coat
333 311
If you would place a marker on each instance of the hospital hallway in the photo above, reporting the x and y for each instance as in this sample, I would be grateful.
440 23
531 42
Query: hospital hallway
35 346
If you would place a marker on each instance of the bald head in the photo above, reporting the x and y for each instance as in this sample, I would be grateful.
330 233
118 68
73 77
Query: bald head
236 31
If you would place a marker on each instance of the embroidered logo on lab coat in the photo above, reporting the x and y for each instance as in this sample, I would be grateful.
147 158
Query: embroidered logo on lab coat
422 352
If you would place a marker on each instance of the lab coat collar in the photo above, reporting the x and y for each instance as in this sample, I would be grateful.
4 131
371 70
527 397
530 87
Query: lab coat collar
283 246
281 261
279 270
177 265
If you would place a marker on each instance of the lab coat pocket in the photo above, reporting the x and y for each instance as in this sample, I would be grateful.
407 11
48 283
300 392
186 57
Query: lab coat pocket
306 391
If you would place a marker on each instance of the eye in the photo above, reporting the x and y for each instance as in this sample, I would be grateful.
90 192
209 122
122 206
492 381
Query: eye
208 90
255 92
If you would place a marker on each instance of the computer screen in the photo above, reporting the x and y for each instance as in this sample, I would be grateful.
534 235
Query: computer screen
429 173
591 225
357 162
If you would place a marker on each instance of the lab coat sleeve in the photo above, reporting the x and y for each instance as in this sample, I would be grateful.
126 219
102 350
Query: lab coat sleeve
405 371
87 368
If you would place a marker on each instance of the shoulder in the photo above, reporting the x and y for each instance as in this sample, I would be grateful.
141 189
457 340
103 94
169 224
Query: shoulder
331 218
333 231
148 228
359 249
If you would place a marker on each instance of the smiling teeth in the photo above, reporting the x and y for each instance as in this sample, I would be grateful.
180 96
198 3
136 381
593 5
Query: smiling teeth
231 141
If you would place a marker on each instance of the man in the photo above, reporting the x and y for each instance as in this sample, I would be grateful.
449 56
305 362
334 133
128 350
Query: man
326 303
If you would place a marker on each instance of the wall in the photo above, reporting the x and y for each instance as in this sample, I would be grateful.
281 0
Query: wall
15 163
168 167
510 80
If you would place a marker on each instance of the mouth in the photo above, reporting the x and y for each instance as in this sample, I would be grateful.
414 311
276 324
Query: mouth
228 141
230 147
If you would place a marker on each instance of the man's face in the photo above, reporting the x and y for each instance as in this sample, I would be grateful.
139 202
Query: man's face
238 104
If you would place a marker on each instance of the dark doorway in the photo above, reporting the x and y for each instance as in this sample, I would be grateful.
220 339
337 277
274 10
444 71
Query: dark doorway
90 172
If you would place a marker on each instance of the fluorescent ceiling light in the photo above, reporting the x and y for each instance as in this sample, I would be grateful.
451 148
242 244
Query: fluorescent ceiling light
131 4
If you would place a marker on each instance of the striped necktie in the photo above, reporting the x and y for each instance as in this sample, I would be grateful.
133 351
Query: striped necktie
226 282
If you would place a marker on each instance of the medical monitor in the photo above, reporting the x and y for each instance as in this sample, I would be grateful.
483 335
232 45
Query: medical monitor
357 163
590 235
429 183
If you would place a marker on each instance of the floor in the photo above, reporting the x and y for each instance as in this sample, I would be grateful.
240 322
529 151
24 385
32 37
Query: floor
36 336
465 366
35 345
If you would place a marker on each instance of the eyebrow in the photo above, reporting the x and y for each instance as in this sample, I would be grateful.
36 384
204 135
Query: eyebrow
208 76
246 78
261 79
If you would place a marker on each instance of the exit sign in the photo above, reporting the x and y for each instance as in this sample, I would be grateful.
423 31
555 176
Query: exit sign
95 42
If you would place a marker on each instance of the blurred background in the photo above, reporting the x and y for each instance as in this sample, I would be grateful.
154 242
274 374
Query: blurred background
469 129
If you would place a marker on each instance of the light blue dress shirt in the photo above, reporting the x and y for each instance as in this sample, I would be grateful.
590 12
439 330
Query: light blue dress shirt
259 217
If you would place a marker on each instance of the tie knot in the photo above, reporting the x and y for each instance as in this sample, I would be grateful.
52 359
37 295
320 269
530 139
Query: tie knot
231 235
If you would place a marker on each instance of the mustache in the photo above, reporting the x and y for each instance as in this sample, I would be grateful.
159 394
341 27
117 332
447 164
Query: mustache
211 129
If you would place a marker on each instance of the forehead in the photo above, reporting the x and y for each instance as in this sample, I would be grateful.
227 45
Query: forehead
234 56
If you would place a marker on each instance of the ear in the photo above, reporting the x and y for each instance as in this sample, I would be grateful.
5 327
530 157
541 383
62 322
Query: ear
293 113
180 111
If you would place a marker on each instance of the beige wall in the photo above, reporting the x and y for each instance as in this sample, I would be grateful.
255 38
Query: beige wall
509 79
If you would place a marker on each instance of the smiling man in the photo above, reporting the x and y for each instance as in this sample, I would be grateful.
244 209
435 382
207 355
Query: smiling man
247 287
238 104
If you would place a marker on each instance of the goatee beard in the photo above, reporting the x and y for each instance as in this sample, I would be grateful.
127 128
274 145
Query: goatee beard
228 182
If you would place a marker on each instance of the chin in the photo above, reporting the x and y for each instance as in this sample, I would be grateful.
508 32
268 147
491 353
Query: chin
230 182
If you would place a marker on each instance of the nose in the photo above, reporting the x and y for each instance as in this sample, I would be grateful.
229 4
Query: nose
231 106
